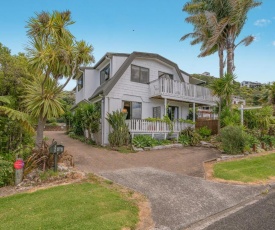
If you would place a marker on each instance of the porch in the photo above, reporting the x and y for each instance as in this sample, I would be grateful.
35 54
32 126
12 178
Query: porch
157 129
181 91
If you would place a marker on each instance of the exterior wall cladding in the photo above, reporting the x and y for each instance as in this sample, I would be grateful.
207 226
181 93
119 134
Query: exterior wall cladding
126 90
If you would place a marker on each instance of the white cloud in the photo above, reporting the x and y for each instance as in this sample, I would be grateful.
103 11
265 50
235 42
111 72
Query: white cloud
273 43
257 37
262 22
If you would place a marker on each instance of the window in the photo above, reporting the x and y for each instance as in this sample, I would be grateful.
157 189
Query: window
105 74
133 109
80 83
173 112
166 75
157 112
139 74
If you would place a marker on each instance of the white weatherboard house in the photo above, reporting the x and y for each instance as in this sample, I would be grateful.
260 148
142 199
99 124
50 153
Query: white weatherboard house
141 85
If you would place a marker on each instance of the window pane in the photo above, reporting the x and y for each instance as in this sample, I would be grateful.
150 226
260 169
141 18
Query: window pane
135 73
156 112
102 77
105 74
144 77
127 109
80 83
136 110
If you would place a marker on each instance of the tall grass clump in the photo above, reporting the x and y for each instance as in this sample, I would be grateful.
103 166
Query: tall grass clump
120 133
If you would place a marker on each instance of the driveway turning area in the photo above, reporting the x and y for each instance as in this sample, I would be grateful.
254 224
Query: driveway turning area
178 200
171 179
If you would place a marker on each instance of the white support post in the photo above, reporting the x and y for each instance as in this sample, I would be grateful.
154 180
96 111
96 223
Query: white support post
194 112
165 106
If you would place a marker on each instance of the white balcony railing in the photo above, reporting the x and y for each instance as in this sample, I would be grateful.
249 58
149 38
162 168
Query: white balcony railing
181 90
144 126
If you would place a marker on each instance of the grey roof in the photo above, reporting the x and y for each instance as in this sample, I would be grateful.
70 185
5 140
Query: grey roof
107 86
107 55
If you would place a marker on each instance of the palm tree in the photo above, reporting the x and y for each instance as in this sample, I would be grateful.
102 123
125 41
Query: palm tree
224 19
224 88
12 114
54 54
46 105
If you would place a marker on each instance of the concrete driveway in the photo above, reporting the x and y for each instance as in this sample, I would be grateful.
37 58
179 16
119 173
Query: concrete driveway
171 179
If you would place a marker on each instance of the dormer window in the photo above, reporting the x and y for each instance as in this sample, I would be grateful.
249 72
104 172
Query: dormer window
139 74
105 74
80 83
166 75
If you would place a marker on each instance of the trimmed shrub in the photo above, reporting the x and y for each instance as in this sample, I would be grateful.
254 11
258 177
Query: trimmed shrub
234 140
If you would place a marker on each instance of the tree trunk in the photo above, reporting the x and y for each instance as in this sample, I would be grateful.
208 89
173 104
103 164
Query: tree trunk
221 67
230 57
39 132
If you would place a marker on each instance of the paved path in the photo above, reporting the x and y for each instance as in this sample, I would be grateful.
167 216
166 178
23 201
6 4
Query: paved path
178 200
171 179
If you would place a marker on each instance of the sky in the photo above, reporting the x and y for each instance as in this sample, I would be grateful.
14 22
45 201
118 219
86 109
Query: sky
154 26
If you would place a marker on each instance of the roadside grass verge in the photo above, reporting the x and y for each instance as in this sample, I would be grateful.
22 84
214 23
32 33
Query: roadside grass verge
247 170
76 206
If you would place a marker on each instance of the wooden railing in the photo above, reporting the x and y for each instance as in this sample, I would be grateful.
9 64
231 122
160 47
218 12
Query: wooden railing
144 126
168 87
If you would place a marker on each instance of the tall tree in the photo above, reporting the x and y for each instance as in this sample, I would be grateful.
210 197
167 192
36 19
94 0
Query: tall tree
224 88
223 20
54 54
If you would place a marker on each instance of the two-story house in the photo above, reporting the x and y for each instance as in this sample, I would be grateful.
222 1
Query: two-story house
142 85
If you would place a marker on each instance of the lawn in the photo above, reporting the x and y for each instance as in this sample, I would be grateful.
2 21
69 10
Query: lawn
74 206
247 170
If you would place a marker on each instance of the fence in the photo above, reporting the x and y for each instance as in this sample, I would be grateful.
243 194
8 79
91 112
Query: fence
211 124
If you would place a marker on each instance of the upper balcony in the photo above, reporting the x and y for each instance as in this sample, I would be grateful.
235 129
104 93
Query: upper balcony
181 91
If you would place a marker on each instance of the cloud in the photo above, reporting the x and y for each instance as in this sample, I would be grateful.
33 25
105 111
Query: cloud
273 43
257 37
262 22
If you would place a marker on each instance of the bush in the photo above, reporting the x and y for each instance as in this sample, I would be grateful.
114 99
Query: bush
252 140
192 135
120 135
234 140
268 140
204 131
184 140
230 117
142 141
6 172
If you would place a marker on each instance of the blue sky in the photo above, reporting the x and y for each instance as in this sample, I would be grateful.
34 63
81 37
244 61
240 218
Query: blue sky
148 26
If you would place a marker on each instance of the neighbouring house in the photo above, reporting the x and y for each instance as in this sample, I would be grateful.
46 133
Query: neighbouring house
237 100
207 112
250 84
205 74
142 85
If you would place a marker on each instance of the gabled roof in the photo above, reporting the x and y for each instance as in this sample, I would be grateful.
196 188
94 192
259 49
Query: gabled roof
107 55
107 86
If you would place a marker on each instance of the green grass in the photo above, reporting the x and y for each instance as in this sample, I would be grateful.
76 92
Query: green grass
247 170
74 206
